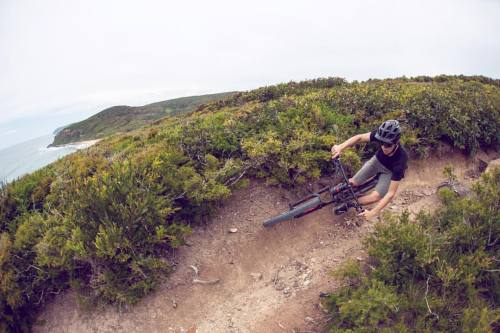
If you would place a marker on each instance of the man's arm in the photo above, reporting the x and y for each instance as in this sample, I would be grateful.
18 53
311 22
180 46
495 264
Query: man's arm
359 138
393 187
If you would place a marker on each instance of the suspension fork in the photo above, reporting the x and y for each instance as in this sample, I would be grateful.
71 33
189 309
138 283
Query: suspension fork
338 165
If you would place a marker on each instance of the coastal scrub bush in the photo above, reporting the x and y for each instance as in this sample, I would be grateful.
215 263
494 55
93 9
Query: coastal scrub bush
22 196
438 274
105 219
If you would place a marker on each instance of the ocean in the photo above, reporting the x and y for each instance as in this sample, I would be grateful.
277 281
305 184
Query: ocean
28 156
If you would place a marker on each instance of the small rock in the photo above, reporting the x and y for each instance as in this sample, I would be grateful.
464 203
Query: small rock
307 282
233 230
359 259
256 276
174 304
309 320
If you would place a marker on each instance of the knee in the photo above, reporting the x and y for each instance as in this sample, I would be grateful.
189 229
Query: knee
375 196
353 182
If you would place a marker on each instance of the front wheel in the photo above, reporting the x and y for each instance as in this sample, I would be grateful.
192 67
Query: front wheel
295 212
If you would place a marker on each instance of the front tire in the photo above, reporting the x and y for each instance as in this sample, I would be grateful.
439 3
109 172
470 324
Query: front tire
297 211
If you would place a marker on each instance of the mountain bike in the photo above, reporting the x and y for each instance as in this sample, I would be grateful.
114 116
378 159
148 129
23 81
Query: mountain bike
344 194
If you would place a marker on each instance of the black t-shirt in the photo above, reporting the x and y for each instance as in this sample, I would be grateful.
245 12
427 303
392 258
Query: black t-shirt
397 163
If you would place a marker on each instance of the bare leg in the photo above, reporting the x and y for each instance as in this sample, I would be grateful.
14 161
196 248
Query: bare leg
366 199
369 198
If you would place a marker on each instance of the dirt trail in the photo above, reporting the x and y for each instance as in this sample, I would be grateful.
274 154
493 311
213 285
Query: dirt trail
269 278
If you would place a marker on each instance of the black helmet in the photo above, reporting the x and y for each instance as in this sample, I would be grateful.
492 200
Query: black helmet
389 132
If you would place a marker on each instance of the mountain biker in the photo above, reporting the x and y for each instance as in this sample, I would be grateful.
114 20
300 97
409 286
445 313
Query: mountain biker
390 161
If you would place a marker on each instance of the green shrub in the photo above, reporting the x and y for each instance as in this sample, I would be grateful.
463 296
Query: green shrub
438 274
104 218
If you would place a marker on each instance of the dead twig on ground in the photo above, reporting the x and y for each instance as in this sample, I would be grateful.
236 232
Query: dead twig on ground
426 301
195 269
206 282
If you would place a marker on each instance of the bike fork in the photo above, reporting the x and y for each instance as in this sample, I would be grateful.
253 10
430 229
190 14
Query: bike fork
358 206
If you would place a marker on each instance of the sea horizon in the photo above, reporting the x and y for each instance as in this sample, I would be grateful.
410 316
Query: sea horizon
28 156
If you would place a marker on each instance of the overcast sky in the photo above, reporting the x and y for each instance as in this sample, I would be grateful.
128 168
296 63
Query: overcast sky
64 60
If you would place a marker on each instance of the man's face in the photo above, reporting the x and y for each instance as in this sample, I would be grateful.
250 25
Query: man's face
387 148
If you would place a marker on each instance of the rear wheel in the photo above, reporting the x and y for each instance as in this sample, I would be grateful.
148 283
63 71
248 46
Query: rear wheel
297 211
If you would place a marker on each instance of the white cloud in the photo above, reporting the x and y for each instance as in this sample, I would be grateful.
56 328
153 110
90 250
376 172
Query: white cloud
60 57
8 133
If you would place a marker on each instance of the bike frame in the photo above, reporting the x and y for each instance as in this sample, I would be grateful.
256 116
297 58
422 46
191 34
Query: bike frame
342 192
338 189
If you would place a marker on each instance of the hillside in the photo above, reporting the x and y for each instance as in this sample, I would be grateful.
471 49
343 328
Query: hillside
124 118
109 222
269 278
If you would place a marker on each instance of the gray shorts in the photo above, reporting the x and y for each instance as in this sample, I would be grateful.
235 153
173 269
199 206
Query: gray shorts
370 169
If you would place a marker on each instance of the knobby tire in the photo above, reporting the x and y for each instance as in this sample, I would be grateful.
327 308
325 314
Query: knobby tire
295 212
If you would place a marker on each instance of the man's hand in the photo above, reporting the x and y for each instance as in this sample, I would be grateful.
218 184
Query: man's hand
336 150
368 214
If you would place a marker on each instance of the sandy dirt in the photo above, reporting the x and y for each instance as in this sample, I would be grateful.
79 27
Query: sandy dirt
269 279
82 144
